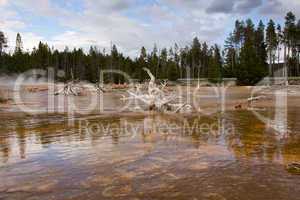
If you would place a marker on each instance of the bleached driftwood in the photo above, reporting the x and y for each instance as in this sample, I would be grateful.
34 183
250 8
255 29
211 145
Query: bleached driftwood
70 88
251 99
99 88
155 97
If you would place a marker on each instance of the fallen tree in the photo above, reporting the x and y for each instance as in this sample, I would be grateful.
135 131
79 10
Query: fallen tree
70 88
156 98
100 88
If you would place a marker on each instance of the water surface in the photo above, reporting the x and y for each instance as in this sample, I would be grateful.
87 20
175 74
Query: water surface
230 156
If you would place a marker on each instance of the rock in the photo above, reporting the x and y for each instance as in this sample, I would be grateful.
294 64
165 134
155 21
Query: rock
152 107
239 106
97 180
293 168
117 191
199 166
23 188
47 187
214 196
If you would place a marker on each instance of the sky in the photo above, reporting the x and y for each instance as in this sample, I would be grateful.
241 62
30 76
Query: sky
131 24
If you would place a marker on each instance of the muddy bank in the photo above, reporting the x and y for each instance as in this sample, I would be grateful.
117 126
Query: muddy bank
38 99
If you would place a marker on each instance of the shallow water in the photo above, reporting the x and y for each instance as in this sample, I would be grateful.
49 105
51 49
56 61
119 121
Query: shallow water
232 155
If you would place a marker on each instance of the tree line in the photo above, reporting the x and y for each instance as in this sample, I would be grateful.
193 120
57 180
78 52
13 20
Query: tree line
250 53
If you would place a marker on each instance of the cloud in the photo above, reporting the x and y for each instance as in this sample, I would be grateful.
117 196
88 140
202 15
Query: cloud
108 6
246 6
224 6
191 4
11 24
29 39
125 23
43 7
278 8
3 2
272 7
74 39
131 24
233 6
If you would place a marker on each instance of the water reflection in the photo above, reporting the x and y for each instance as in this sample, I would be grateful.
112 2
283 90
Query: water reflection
255 139
21 138
158 156
240 131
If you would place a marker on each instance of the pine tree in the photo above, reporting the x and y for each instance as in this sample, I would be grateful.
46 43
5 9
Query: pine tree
272 43
19 43
290 28
205 59
142 63
154 60
195 55
238 33
3 42
298 46
252 66
215 65
163 58
289 38
114 63
19 61
279 36
230 57
172 69
177 60
184 62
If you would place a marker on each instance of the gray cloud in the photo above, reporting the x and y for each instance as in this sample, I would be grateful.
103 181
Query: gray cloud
233 6
187 4
246 6
130 25
223 6
272 7
109 6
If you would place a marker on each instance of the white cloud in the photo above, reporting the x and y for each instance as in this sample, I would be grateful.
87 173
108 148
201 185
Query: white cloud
131 25
3 2
165 26
10 24
40 7
30 40
277 9
104 21
74 39
108 6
